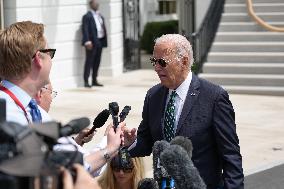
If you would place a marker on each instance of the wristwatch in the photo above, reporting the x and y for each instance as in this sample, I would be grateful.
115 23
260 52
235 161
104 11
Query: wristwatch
106 155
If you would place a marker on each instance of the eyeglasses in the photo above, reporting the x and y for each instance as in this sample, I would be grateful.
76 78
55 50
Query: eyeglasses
50 52
124 169
162 62
53 93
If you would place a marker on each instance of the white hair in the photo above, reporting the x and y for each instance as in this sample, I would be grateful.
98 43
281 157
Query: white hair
182 46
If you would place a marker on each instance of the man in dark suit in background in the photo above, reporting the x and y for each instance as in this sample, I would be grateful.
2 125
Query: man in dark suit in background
185 105
94 39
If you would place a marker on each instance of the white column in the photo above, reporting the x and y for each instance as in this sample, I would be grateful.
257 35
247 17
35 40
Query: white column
112 57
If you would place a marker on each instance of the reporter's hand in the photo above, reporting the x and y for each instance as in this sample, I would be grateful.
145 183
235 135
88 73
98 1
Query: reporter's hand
107 129
83 137
83 179
130 136
114 139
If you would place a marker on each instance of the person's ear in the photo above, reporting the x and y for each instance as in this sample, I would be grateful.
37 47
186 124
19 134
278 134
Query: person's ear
37 60
185 61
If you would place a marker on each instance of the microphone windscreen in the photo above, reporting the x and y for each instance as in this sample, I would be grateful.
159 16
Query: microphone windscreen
74 126
158 170
183 142
178 164
147 183
100 120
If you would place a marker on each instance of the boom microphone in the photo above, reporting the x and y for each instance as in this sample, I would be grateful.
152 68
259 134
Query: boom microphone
183 142
147 183
159 171
99 121
74 126
178 164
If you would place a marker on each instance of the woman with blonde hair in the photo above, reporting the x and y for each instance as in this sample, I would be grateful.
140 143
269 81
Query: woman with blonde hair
126 176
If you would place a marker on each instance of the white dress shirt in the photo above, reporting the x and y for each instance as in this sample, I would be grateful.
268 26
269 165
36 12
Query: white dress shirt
179 101
180 98
99 24
13 111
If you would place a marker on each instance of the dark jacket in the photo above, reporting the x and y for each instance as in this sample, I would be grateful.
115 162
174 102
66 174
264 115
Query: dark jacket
208 120
89 30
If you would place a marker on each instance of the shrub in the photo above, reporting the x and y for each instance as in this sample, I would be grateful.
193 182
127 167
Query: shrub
152 30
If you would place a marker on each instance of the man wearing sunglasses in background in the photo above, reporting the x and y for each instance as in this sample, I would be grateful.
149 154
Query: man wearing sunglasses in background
185 105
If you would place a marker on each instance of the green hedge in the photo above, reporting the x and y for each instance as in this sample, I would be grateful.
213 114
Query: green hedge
152 30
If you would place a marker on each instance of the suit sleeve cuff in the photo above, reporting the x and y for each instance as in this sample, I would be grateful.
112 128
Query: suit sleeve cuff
132 145
87 43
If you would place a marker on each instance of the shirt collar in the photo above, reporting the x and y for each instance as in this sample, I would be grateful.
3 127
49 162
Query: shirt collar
94 12
22 95
183 88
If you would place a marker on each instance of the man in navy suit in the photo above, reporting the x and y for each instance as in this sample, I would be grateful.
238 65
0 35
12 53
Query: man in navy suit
185 105
94 40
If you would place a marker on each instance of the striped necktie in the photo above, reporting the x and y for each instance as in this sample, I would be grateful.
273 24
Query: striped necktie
170 116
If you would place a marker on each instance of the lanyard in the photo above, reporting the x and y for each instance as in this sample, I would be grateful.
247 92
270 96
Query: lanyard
16 100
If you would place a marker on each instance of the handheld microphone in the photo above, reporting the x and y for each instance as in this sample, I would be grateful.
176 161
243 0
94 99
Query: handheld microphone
159 171
114 109
147 183
74 126
185 143
124 113
178 164
99 121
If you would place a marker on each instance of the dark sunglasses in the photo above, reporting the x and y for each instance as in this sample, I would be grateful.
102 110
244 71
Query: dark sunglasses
50 52
162 62
124 169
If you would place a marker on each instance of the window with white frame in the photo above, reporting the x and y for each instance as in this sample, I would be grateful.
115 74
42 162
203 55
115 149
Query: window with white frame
167 6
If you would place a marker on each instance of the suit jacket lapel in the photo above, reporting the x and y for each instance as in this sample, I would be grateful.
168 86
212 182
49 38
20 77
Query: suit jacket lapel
164 96
93 21
191 98
159 109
